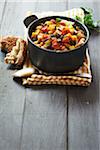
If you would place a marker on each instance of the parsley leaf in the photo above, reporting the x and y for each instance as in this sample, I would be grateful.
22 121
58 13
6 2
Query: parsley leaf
78 18
89 21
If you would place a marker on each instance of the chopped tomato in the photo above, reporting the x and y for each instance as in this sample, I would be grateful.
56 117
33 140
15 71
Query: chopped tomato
63 22
64 31
63 47
45 36
55 45
66 39
54 40
53 20
44 29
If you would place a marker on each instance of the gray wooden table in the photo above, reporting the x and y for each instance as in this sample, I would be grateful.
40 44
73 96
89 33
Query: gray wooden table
48 118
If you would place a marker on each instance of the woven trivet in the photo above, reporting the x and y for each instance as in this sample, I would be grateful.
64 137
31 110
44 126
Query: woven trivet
32 76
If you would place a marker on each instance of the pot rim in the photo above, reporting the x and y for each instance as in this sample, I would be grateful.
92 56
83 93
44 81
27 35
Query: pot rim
58 51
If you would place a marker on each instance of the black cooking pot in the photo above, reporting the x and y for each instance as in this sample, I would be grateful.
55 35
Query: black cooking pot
51 61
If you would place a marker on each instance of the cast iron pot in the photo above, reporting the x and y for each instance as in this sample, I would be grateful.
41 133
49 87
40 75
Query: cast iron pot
51 61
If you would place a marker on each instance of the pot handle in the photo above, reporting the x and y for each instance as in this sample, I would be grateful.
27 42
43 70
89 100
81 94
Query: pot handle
29 19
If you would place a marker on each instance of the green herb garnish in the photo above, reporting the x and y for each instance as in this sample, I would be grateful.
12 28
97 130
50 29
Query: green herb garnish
78 18
58 19
89 21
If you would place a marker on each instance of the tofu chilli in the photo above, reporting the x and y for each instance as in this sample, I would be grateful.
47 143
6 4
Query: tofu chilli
58 34
56 44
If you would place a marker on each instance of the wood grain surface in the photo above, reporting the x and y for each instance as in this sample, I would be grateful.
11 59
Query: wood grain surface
83 123
47 117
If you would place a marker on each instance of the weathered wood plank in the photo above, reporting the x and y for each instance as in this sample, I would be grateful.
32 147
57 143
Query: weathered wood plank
8 86
12 95
45 120
42 119
2 8
83 125
9 131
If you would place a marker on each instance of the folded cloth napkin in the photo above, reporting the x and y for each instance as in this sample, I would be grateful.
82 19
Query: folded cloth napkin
32 76
72 13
